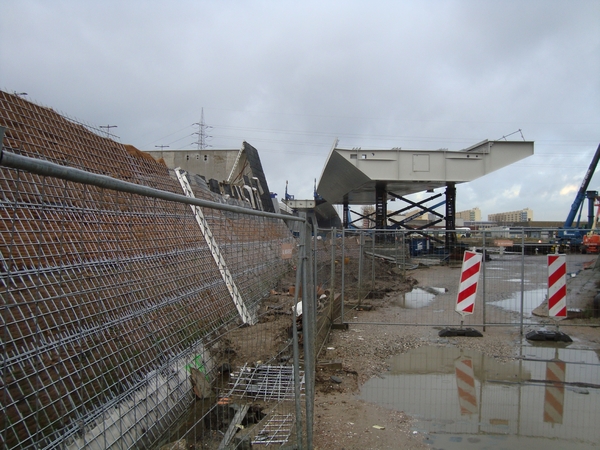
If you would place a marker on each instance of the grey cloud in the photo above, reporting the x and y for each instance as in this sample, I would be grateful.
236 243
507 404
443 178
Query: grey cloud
288 77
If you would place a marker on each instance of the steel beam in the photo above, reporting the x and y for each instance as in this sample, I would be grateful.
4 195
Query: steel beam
356 173
216 253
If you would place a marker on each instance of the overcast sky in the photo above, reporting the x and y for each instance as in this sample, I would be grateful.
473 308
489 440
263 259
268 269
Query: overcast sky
290 77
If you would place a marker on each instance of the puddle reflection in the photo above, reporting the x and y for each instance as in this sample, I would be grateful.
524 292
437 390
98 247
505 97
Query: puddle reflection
549 398
420 297
531 300
417 298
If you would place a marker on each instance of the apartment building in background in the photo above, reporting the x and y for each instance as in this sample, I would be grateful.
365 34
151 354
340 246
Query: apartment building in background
523 215
470 215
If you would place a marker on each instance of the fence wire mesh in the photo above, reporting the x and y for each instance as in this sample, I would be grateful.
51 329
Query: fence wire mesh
137 322
419 272
467 393
113 302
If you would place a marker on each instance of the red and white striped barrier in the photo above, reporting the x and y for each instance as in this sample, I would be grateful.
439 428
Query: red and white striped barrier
557 286
465 383
554 396
469 277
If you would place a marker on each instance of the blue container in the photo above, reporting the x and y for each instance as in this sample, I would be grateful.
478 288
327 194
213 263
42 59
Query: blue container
419 246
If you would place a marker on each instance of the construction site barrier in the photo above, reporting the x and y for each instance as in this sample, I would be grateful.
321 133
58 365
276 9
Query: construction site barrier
430 282
557 286
469 277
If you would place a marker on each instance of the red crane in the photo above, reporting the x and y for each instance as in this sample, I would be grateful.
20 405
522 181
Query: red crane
591 240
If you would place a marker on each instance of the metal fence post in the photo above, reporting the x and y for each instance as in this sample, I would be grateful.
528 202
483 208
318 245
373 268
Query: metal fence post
373 260
343 273
403 254
308 327
522 277
295 343
483 293
315 269
332 282
360 265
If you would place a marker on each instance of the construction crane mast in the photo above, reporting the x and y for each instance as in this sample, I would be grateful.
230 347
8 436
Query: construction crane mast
570 234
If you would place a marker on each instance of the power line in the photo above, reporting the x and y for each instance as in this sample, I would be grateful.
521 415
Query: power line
169 135
396 119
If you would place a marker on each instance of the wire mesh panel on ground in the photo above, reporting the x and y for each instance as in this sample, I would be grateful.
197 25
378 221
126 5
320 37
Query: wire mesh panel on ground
112 301
418 273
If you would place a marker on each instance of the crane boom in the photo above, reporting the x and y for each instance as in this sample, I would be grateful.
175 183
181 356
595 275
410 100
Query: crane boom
581 193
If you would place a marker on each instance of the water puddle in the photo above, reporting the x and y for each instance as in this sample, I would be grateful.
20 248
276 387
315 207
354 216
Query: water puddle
531 300
420 297
417 298
547 399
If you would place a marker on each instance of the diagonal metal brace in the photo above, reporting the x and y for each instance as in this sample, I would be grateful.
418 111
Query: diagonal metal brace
215 251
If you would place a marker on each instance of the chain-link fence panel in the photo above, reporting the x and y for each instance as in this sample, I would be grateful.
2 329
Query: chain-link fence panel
423 274
130 320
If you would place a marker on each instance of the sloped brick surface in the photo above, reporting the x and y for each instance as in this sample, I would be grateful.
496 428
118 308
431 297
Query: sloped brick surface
100 287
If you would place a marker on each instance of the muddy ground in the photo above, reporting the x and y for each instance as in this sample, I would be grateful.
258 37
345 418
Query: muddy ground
351 357
342 421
